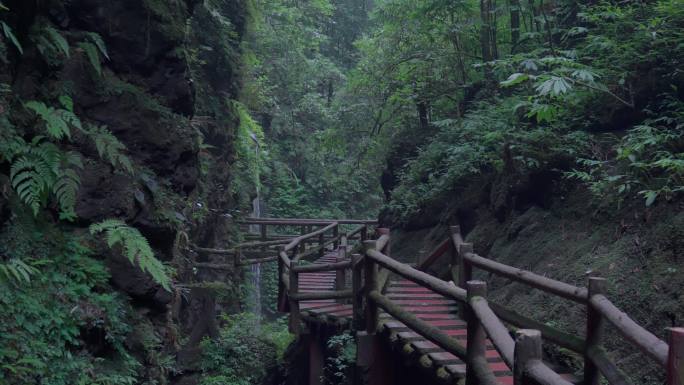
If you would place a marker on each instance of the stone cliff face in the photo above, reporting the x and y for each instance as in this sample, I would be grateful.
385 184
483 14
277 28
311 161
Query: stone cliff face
166 92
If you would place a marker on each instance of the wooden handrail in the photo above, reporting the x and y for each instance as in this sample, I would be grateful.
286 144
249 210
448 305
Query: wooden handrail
497 332
321 295
318 267
613 374
434 255
574 293
558 337
303 222
419 326
653 346
417 276
295 242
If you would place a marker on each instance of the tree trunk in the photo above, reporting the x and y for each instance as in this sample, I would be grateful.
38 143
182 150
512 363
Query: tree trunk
485 30
423 115
514 7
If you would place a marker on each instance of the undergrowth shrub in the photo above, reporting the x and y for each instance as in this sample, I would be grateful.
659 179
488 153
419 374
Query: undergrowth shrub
339 364
245 352
44 319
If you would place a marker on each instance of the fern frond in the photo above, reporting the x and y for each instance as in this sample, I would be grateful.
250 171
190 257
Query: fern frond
67 184
11 146
39 169
16 270
56 126
97 40
7 31
93 56
135 247
71 118
57 40
110 148
30 178
57 121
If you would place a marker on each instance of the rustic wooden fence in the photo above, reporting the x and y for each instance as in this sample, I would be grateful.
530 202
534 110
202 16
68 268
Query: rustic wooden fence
370 264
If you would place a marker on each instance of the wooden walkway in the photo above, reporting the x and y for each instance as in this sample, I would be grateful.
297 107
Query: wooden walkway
433 308
447 327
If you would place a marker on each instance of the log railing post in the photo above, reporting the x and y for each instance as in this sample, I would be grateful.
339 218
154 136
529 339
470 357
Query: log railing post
264 235
281 284
364 233
528 347
476 346
384 231
295 316
341 274
321 241
370 284
675 358
357 295
336 233
595 323
236 260
465 272
454 262
303 231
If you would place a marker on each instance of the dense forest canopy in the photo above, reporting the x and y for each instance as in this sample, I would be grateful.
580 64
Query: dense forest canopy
132 130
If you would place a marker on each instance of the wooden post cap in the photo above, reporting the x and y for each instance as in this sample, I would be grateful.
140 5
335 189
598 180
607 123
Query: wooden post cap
370 245
597 285
529 343
528 347
382 230
675 359
476 289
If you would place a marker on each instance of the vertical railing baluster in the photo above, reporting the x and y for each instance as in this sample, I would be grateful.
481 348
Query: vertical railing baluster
370 283
321 241
595 323
264 236
295 316
675 358
476 346
281 284
336 233
465 272
528 347
454 262
341 274
357 295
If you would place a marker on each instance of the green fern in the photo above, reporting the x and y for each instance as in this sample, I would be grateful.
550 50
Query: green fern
99 43
32 174
39 169
57 40
57 120
16 270
7 31
110 148
93 56
66 185
135 248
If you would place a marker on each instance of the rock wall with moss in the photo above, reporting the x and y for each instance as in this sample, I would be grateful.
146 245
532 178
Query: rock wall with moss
141 95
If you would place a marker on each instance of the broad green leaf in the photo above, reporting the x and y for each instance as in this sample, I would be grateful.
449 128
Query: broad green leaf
514 79
58 40
8 33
